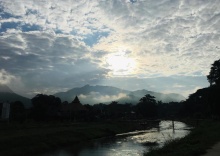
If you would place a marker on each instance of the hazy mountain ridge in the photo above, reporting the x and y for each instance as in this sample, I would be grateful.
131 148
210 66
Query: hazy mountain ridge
105 94
107 90
5 89
7 95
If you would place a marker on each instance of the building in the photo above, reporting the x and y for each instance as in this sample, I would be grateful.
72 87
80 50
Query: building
74 110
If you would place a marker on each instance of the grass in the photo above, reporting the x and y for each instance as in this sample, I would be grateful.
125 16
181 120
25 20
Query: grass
196 143
28 139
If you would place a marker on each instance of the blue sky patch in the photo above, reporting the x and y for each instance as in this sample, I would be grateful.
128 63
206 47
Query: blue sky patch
58 31
9 25
73 32
20 26
133 1
28 27
92 39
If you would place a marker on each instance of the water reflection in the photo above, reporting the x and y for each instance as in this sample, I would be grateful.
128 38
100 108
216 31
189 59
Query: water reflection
131 144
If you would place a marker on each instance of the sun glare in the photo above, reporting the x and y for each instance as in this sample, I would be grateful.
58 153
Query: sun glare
120 64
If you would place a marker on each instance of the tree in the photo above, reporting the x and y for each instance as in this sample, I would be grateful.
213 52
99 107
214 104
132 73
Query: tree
148 99
17 111
203 103
45 107
114 103
147 107
214 74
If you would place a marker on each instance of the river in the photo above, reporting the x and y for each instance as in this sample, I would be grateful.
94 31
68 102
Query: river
127 144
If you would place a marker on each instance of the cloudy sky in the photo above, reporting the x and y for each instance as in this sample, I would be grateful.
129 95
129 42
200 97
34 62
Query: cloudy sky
47 46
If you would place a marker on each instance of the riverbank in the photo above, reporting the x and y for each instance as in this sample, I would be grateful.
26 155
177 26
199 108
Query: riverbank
29 139
202 138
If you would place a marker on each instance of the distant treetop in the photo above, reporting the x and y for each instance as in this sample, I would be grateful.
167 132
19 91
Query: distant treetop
214 74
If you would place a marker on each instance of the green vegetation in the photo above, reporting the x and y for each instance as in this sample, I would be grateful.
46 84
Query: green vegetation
27 139
196 143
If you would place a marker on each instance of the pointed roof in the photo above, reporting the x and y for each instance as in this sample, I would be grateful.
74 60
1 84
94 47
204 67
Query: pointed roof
75 105
76 100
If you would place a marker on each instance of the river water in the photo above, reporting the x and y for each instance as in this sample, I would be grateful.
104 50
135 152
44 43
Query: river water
128 144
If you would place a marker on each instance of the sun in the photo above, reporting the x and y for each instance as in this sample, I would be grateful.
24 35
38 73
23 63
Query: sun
120 64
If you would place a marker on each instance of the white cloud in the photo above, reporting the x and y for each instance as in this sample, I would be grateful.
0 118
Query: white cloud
97 97
5 77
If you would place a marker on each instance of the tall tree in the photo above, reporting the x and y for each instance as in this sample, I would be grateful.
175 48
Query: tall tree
148 99
17 111
214 74
147 107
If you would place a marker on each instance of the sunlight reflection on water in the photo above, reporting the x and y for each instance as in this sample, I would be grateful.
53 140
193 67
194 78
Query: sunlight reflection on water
129 144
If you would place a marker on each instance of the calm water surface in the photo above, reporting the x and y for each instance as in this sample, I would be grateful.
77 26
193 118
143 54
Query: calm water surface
129 144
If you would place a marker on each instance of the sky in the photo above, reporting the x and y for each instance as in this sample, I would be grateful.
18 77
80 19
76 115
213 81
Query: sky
48 46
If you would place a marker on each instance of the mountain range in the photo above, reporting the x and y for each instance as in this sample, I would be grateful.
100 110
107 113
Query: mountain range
93 95
106 94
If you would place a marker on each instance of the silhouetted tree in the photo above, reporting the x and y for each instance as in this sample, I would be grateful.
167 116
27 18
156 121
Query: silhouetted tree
214 74
116 111
169 110
45 107
147 107
148 99
100 111
203 103
114 103
17 111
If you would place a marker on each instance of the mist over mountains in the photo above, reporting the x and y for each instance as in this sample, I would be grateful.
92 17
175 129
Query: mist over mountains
105 94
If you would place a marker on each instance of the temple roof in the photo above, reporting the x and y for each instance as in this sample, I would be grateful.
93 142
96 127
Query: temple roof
76 100
75 105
